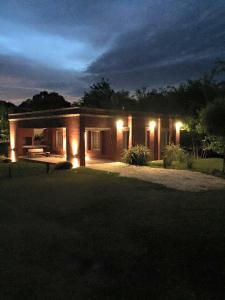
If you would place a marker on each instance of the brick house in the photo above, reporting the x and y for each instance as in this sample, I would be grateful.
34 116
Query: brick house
88 133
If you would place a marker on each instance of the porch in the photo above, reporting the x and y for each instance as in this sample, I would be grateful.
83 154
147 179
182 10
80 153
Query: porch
57 159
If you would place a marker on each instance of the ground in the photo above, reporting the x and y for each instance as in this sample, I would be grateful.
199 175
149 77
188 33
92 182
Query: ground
206 165
184 180
85 234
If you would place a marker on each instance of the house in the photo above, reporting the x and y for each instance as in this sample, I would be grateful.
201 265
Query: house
79 133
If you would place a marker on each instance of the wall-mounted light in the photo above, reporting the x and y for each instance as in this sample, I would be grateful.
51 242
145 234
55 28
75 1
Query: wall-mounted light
152 125
178 125
119 124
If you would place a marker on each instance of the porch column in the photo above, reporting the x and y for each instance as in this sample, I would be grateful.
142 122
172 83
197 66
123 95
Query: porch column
119 138
159 138
72 139
13 151
178 126
171 131
82 142
130 131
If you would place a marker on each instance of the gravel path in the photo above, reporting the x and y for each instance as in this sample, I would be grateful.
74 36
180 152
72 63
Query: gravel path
177 179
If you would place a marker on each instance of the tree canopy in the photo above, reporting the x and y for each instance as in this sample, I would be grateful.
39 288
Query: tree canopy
213 120
44 100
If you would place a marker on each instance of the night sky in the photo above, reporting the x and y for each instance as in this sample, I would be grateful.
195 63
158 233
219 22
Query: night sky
65 46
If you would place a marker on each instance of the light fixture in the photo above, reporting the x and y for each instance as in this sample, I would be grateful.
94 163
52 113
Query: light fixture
119 124
152 125
75 163
178 125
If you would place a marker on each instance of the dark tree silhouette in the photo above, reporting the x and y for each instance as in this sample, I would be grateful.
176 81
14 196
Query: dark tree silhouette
99 95
213 120
43 101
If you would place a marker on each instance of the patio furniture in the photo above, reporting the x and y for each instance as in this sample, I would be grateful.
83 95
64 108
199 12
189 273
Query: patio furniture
37 152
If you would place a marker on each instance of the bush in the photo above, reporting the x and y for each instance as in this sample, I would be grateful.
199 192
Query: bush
175 153
5 159
138 155
65 165
189 161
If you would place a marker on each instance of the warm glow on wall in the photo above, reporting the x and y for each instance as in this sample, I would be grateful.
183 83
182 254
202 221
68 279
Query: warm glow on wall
152 125
12 140
74 147
119 124
87 157
178 125
13 155
64 141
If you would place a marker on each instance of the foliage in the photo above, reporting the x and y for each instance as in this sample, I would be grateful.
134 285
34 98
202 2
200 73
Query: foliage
213 120
5 109
4 159
173 153
38 137
137 155
65 165
44 101
101 95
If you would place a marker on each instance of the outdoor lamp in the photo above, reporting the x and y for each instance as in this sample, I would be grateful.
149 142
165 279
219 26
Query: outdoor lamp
152 125
119 124
178 125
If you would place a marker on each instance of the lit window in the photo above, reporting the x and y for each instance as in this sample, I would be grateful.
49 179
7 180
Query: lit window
95 137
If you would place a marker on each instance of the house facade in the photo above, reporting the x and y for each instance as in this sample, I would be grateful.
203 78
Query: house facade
82 134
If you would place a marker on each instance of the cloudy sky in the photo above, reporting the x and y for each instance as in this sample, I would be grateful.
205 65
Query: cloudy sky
66 45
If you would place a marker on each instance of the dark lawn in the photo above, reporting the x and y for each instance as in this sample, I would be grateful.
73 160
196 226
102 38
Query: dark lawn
83 234
205 165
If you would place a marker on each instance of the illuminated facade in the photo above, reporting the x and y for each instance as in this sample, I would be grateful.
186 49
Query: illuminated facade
80 134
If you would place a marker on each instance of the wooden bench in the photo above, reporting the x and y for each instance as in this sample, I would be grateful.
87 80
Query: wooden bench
37 152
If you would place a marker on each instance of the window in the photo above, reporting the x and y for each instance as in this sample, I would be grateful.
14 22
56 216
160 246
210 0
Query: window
59 138
147 137
95 140
125 139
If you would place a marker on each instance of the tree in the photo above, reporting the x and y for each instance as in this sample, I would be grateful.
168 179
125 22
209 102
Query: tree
123 100
213 120
5 109
99 95
43 101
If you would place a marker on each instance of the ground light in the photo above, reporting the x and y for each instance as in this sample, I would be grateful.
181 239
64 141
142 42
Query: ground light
75 162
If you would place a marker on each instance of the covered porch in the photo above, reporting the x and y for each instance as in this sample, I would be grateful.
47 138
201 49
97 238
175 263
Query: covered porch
57 159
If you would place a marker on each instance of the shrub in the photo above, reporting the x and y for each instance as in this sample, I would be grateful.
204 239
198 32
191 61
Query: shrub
189 161
173 153
4 159
65 165
138 155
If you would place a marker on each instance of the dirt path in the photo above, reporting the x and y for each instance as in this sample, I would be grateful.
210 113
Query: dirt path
177 179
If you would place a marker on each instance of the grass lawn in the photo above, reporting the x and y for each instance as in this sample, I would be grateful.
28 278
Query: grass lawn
84 234
206 165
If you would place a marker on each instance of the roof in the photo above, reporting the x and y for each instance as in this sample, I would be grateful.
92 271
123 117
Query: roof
78 110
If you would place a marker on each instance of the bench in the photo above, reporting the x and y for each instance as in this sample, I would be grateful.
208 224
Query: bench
37 152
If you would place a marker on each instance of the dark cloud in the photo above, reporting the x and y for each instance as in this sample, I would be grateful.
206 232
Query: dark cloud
67 45
187 48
